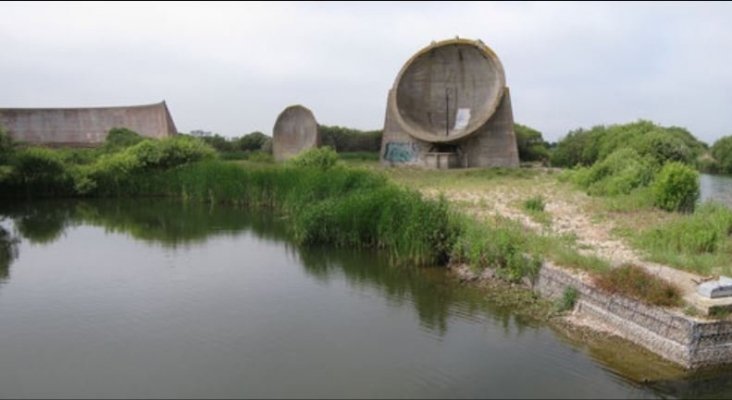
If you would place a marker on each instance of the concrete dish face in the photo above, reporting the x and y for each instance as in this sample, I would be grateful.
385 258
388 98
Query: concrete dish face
448 90
295 130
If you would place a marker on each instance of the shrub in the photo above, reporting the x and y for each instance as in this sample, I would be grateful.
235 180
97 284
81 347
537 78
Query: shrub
252 141
676 187
531 144
322 158
586 147
38 165
220 143
170 152
619 173
535 203
343 139
120 138
722 152
664 147
634 282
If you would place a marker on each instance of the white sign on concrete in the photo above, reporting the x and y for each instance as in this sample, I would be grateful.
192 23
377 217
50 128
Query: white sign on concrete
462 119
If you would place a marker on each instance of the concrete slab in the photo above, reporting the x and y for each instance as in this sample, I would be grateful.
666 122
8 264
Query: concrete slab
716 289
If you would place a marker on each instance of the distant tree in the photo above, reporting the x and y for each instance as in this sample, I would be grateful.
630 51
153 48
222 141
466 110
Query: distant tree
251 142
531 144
119 138
6 146
220 143
722 153
664 144
343 139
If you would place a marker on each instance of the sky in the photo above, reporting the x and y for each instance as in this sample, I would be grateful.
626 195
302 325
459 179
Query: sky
231 68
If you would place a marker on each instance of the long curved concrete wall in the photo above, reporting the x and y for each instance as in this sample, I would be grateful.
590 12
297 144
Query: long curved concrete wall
85 126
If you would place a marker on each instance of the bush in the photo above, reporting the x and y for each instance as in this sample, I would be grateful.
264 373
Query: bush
322 158
619 173
121 138
38 164
722 153
676 188
39 169
586 147
252 141
531 144
664 147
220 143
634 282
579 147
343 139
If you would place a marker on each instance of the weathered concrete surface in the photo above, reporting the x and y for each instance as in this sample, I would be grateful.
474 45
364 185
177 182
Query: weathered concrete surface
294 131
688 341
450 97
714 289
85 126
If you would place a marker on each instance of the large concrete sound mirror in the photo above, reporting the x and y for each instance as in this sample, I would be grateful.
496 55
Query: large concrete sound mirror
449 107
294 131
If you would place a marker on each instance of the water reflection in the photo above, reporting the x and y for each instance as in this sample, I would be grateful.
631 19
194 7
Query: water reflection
8 251
171 224
437 301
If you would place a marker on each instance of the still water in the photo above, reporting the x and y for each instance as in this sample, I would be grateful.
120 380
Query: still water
159 299
716 188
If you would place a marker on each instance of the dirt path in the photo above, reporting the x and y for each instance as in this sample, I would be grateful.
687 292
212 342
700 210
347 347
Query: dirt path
569 216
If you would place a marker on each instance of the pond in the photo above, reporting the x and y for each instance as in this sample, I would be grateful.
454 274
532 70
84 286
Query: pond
717 188
152 298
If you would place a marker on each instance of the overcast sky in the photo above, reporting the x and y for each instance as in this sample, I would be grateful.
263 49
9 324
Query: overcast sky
231 68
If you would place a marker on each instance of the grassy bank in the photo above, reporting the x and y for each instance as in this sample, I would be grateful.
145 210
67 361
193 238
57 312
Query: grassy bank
325 201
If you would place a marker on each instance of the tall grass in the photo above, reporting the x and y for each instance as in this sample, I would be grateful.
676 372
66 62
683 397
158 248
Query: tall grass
338 206
699 242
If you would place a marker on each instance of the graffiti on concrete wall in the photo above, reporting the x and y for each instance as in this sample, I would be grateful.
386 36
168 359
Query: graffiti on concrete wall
400 152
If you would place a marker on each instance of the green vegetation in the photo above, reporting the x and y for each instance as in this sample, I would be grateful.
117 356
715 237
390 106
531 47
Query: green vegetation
535 203
662 144
322 158
8 251
345 140
121 138
699 242
722 153
619 173
359 156
38 171
501 246
568 299
328 203
531 144
634 282
6 146
676 187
